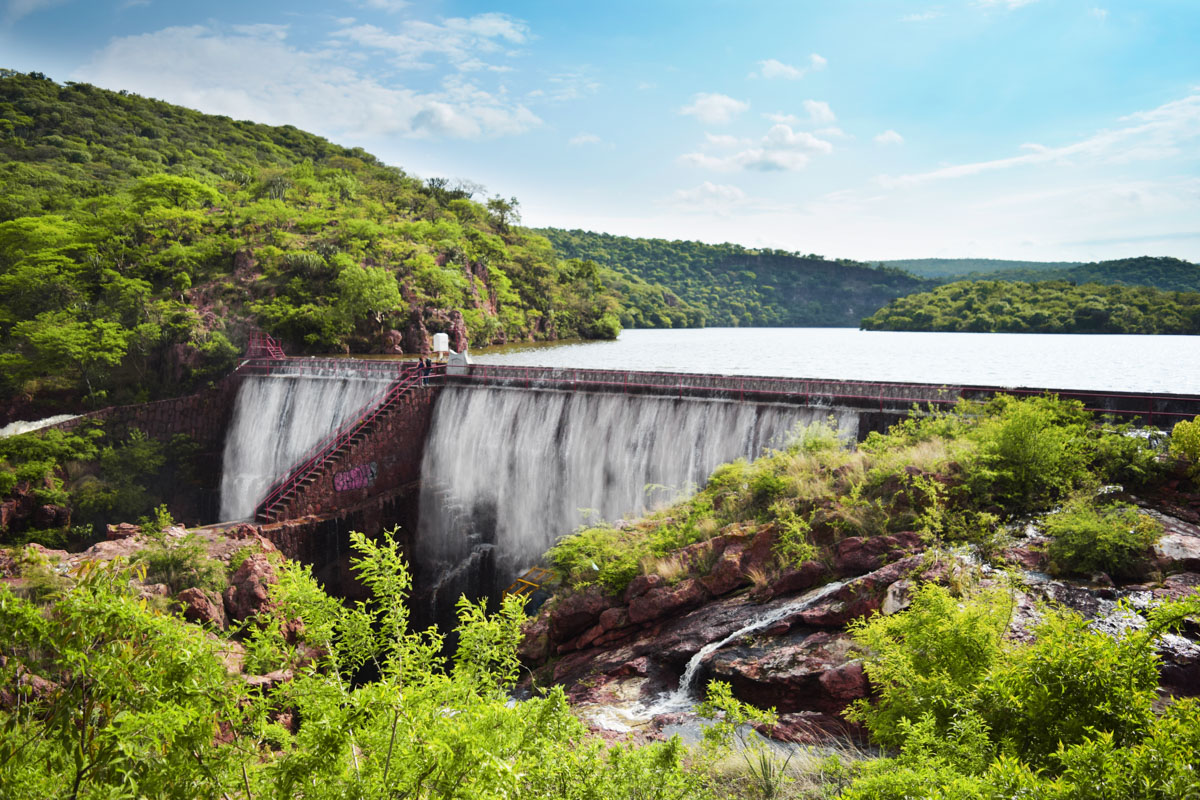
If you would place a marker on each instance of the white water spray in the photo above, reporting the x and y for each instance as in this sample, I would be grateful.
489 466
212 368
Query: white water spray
276 420
511 471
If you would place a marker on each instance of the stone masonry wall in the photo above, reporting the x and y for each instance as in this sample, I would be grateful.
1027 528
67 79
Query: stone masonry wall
388 459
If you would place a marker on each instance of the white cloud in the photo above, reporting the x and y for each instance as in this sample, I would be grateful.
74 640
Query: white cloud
923 16
889 137
773 68
832 132
1099 13
1147 135
784 119
459 40
581 139
204 68
819 111
723 140
18 9
709 196
569 86
777 69
1009 4
781 149
385 5
713 108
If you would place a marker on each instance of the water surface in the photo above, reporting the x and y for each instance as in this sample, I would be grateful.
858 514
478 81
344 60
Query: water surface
1052 361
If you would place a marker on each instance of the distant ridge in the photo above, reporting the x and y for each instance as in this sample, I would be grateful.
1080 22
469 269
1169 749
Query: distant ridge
956 267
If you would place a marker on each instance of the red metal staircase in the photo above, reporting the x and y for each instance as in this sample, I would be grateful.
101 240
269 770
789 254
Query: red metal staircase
310 467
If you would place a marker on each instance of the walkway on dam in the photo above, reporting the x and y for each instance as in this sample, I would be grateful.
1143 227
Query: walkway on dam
878 404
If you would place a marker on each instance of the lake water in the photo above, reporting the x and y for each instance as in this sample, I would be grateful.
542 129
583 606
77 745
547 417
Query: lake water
1049 361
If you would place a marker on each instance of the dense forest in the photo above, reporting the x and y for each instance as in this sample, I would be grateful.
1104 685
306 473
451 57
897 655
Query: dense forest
1044 307
733 286
141 241
962 267
1169 274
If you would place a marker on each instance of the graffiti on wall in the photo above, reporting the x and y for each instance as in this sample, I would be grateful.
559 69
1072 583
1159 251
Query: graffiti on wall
360 477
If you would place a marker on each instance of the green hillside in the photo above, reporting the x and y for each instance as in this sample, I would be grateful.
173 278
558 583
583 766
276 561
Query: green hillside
1169 274
961 267
1045 307
735 286
141 241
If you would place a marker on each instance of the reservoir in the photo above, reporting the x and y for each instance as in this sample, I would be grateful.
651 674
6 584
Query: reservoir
1127 363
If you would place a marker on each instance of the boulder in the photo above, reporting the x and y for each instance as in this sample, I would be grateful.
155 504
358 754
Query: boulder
249 588
203 607
122 530
667 600
813 728
813 672
577 612
1178 552
857 555
796 579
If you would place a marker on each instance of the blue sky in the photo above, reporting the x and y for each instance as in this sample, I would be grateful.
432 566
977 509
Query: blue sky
869 129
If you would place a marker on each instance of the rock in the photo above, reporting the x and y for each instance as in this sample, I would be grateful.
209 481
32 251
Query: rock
535 641
1179 665
813 728
248 592
122 530
577 612
51 516
1178 552
813 672
150 590
726 573
797 579
203 607
664 601
642 584
614 618
857 555
897 598
1179 586
393 343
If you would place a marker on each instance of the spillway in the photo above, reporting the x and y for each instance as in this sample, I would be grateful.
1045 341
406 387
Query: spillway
507 472
278 418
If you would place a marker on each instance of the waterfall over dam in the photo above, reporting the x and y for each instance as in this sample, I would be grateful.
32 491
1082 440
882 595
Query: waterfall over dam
277 419
507 472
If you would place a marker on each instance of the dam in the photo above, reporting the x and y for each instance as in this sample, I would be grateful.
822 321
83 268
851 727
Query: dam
484 467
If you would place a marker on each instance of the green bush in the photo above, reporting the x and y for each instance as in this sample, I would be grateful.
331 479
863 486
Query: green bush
927 660
1029 452
182 564
1086 537
1185 443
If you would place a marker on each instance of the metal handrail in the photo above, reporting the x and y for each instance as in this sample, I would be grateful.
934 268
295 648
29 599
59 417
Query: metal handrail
325 448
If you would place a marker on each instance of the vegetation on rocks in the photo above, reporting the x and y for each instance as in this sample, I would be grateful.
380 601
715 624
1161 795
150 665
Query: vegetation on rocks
950 476
1003 306
1068 715
141 241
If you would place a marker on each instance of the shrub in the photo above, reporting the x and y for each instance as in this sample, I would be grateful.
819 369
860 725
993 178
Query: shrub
1185 443
1029 452
927 660
792 546
1087 538
182 564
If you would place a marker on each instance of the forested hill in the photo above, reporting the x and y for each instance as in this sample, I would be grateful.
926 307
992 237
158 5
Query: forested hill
1043 307
962 267
141 241
1170 274
735 286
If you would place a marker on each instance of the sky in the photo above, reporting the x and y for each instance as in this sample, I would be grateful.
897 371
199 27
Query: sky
866 129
